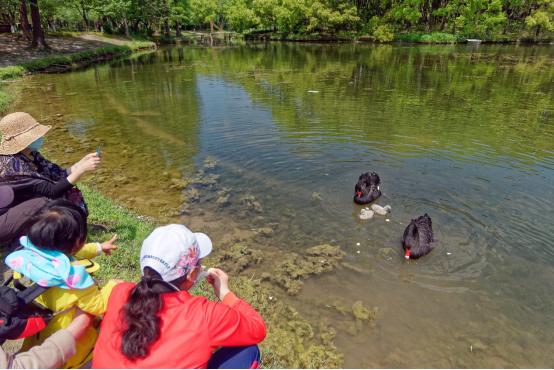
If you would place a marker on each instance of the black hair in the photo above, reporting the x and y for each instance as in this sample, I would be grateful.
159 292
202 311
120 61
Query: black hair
140 313
59 225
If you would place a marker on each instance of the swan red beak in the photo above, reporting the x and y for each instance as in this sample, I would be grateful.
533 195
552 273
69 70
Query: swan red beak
407 253
359 193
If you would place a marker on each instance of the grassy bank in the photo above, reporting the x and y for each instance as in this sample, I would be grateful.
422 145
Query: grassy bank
66 62
291 340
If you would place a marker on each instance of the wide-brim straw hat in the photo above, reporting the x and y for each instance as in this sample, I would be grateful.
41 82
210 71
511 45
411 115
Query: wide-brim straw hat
18 131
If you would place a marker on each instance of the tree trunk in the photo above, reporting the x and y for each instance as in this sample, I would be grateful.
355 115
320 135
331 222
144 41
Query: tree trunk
211 26
38 34
166 27
538 31
177 29
25 28
84 12
126 25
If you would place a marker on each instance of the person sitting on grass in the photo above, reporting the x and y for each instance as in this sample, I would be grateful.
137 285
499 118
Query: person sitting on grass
55 350
57 234
32 179
157 323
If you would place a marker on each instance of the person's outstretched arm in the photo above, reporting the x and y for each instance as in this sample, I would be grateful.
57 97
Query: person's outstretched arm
233 322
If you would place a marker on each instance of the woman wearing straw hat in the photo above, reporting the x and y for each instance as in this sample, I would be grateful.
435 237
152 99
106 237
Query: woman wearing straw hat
32 179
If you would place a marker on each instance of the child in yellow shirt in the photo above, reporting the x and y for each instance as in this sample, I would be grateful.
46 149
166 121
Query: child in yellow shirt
56 236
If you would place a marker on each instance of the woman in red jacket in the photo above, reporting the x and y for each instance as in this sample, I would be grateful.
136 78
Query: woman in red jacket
158 324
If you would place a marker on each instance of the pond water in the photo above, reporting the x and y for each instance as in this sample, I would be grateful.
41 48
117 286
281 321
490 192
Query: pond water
464 134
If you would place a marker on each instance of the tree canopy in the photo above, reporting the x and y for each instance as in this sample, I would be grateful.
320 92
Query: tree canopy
381 19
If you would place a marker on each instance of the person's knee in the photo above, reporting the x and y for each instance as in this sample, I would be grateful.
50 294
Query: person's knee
247 357
13 221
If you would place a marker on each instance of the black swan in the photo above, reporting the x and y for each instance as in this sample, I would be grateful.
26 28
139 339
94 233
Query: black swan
418 237
367 188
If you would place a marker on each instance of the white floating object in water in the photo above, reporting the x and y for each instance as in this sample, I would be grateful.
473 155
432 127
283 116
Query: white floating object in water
448 253
388 220
358 244
270 298
381 210
366 214
313 91
358 252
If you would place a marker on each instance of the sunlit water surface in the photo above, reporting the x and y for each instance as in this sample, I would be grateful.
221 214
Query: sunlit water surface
465 134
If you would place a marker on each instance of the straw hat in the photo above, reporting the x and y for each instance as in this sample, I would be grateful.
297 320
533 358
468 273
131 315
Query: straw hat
18 130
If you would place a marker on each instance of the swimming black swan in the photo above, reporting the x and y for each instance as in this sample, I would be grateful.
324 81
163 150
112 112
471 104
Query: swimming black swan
418 237
367 188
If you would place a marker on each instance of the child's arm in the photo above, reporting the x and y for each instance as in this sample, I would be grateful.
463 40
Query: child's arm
95 300
91 250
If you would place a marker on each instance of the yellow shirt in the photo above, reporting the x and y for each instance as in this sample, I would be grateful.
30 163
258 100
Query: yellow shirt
63 303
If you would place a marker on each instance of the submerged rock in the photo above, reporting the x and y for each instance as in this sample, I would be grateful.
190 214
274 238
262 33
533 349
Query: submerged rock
361 312
251 203
178 183
317 196
264 231
387 253
239 257
192 195
223 200
210 162
290 271
206 180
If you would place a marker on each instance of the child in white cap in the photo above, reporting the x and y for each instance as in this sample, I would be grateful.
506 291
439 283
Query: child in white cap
158 324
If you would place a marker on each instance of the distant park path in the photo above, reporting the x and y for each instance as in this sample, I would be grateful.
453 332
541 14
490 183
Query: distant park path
14 48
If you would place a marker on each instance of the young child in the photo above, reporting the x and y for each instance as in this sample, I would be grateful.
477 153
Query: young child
57 234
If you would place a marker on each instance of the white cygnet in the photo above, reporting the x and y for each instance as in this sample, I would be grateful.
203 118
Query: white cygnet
381 210
366 214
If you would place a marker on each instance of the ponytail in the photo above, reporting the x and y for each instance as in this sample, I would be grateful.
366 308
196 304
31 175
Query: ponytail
140 313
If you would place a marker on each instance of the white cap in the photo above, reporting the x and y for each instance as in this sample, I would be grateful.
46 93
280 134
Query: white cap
173 250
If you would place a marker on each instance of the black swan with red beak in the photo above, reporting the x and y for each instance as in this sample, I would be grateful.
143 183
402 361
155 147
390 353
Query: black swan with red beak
418 237
367 188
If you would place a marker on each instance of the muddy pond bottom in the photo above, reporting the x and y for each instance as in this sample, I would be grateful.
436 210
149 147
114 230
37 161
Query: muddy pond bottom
273 138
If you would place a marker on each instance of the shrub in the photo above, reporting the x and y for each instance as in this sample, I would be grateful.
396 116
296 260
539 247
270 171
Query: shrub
383 33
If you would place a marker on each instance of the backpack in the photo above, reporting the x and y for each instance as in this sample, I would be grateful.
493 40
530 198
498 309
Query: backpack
20 317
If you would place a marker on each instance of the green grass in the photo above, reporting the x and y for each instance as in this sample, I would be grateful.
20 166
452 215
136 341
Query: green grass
428 38
130 228
84 56
5 101
10 72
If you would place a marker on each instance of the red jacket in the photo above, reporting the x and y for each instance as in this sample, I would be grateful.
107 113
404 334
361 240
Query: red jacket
191 329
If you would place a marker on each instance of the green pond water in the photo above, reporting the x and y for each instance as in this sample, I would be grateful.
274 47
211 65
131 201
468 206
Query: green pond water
465 134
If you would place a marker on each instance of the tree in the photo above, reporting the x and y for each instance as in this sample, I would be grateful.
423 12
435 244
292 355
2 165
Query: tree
38 33
541 18
240 16
24 20
205 12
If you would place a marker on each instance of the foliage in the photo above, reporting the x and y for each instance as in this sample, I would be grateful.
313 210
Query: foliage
428 38
542 18
297 19
10 72
4 101
383 33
